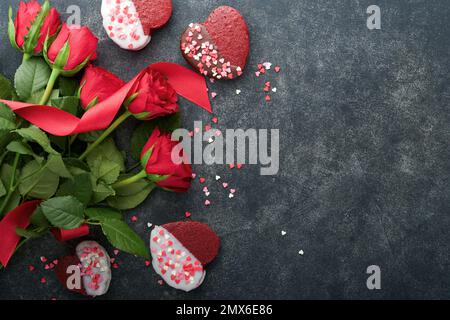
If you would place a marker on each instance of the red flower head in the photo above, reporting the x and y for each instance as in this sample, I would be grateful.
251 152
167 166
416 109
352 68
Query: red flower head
98 84
157 161
72 49
32 25
153 97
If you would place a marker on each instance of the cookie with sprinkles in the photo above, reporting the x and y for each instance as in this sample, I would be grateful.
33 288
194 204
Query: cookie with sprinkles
181 250
92 263
130 23
218 48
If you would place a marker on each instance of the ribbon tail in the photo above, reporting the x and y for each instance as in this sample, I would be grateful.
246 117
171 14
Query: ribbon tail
17 218
186 83
65 235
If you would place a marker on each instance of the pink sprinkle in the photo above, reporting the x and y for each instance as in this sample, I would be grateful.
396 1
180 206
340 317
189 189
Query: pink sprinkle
43 259
215 120
160 282
268 98
187 214
43 280
134 218
207 203
207 127
147 263
213 95
232 190
225 185
277 69
116 252
202 180
30 268
232 166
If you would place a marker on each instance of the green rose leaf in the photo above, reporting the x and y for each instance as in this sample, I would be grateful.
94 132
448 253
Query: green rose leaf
56 165
31 77
68 104
38 136
102 191
64 212
101 214
6 173
80 187
38 219
7 118
124 238
68 86
23 149
105 170
37 181
131 196
107 150
2 189
6 89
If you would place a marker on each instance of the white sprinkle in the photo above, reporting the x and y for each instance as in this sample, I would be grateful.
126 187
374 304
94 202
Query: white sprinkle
218 178
231 196
283 233
301 252
211 140
238 91
274 89
267 65
149 224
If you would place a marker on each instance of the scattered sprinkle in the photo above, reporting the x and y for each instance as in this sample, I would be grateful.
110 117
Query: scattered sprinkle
283 233
202 180
213 95
207 203
187 214
301 252
134 218
218 178
238 92
215 120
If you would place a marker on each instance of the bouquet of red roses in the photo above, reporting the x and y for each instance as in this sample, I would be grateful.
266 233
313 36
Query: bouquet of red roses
60 168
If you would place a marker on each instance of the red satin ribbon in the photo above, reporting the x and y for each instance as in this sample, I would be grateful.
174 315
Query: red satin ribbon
66 235
186 83
18 218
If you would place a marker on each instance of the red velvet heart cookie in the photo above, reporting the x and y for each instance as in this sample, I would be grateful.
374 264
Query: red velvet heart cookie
88 272
219 47
181 250
129 23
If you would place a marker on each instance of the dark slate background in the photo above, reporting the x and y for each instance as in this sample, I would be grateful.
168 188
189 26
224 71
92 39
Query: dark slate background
364 165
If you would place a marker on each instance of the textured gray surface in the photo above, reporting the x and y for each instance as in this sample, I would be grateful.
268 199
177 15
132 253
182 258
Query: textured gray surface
364 175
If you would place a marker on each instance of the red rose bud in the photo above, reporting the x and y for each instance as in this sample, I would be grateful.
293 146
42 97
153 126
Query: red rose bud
98 84
157 161
32 25
152 97
72 49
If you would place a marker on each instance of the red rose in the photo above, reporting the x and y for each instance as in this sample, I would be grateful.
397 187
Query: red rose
156 158
26 18
77 43
98 84
155 97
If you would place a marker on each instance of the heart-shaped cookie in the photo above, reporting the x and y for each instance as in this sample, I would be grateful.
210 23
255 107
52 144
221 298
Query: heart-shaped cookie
130 23
180 252
218 48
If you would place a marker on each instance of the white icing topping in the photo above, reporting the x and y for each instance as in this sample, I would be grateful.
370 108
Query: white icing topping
95 267
122 24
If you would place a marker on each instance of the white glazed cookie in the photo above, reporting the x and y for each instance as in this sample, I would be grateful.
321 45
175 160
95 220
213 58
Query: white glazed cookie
122 24
95 268
178 267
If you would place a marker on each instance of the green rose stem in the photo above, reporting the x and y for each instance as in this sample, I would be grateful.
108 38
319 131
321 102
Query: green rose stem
51 83
26 57
141 175
12 186
105 134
